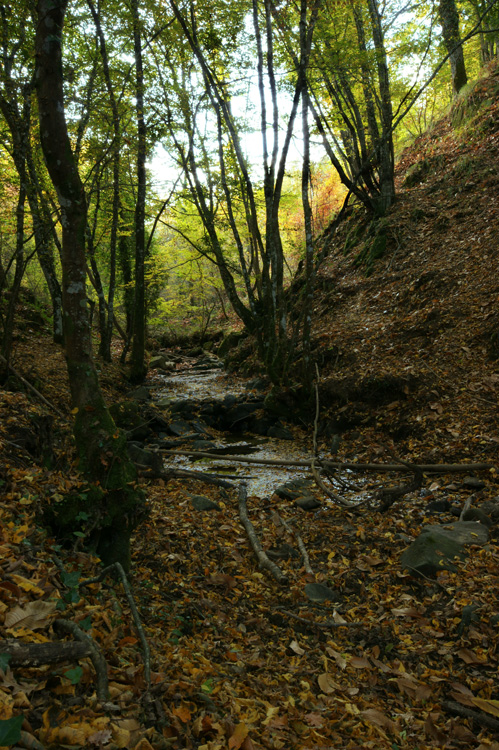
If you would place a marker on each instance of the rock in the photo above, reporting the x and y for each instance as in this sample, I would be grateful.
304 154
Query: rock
307 502
473 483
438 545
180 427
143 457
318 592
203 445
282 552
280 432
139 394
230 341
477 514
161 363
293 489
257 384
200 502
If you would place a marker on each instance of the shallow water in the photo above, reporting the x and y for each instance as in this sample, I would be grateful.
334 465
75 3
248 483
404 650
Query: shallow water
261 480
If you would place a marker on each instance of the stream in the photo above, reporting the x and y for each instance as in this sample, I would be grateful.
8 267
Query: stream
215 411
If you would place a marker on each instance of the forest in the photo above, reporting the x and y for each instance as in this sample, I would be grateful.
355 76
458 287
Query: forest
248 249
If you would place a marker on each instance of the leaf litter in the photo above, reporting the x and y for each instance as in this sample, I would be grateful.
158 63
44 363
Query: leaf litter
238 661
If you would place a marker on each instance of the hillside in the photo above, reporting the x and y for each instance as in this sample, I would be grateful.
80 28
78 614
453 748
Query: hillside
418 339
407 345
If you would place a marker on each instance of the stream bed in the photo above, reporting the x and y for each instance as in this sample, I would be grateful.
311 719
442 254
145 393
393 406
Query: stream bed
198 394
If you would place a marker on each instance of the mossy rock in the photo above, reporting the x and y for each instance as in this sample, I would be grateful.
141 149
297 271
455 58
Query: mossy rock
417 173
128 416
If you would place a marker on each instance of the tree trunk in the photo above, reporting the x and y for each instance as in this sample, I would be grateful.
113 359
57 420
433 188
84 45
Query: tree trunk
138 365
449 20
101 447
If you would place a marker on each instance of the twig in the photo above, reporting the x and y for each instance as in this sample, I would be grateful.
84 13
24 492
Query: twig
333 465
323 625
32 388
263 561
146 653
299 541
100 665
318 480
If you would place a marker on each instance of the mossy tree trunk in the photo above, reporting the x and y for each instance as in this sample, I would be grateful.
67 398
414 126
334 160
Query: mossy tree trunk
101 447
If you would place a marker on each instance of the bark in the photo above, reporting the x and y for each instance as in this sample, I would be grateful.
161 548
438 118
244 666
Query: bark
449 20
101 447
138 365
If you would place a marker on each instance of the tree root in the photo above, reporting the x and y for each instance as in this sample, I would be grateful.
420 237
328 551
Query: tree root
100 665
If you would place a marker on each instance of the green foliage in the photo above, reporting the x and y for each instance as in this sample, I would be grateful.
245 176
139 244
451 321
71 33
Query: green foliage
10 730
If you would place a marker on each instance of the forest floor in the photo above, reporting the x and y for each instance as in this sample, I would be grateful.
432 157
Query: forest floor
408 369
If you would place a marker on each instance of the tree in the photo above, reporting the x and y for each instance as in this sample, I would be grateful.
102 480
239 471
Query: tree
116 502
208 135
449 20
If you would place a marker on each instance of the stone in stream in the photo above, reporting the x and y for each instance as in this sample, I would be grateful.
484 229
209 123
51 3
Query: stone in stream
438 546
203 445
293 489
200 502
143 457
180 427
160 362
280 432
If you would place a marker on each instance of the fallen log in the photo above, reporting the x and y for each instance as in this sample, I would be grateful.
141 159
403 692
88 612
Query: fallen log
39 654
335 465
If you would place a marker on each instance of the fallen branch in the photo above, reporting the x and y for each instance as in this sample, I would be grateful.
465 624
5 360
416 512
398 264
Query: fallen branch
319 482
299 541
482 719
32 388
263 561
322 625
184 474
146 653
38 654
334 465
100 665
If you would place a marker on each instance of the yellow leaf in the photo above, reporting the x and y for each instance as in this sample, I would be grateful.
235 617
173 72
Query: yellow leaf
75 410
490 707
25 584
238 736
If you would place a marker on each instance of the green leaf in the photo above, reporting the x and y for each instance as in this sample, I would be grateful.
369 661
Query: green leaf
79 534
4 661
85 624
10 730
74 675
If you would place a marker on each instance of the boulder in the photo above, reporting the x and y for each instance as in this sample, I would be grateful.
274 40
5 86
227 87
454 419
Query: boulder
200 502
438 546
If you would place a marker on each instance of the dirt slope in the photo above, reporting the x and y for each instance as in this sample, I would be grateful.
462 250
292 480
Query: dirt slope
410 352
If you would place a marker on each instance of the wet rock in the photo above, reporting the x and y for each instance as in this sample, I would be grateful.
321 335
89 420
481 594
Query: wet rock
477 514
473 483
318 592
261 425
438 545
200 502
180 427
160 362
308 502
280 432
293 489
203 445
186 408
